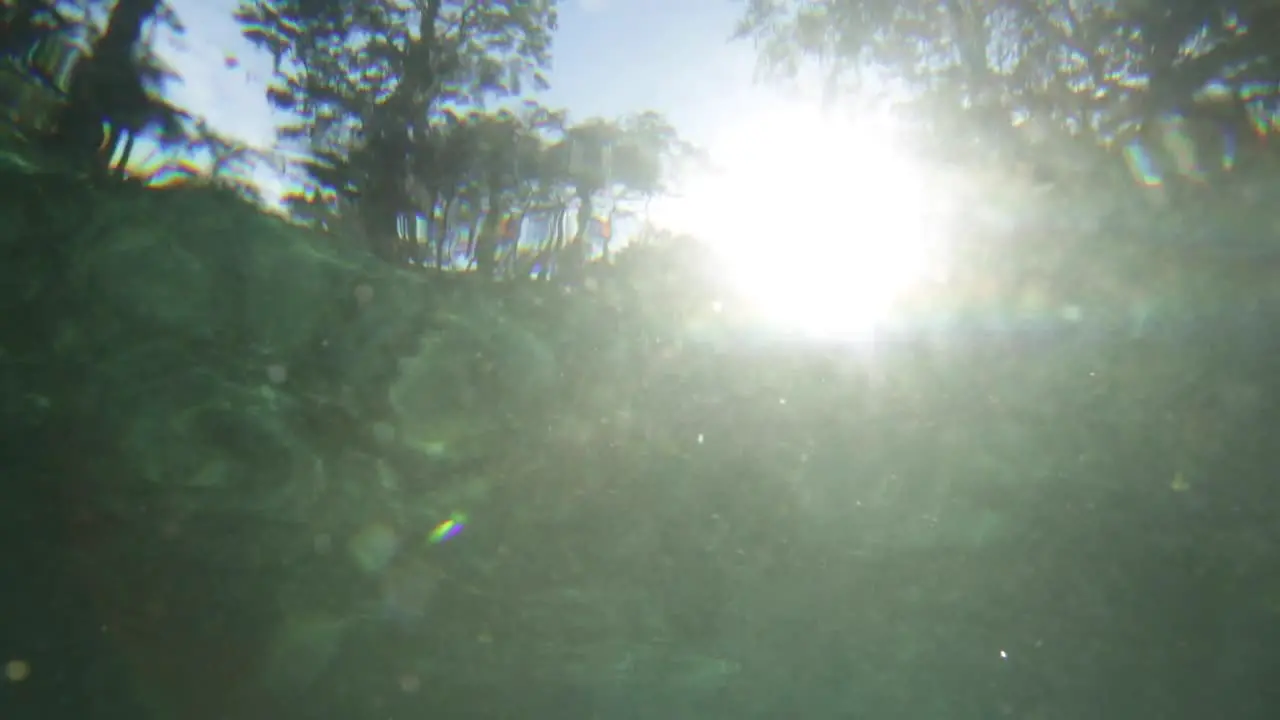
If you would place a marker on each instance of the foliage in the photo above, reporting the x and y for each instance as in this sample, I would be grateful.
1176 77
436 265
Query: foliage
390 103
366 82
1019 75
391 122
96 60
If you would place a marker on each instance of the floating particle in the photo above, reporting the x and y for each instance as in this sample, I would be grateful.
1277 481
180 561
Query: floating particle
374 546
435 448
277 373
1177 142
17 670
1142 165
409 683
405 590
448 529
1179 483
384 433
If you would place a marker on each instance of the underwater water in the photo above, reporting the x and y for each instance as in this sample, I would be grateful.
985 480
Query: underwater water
419 411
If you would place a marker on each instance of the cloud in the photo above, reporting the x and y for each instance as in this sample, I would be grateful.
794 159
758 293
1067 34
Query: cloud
594 6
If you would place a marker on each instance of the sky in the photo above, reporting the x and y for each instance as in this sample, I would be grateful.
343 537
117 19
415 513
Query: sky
674 56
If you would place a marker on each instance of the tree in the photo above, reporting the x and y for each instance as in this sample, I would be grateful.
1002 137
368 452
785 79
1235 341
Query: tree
118 87
1106 71
25 22
629 157
511 171
366 80
108 80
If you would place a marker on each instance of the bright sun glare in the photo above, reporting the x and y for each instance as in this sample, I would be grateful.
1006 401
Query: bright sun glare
820 224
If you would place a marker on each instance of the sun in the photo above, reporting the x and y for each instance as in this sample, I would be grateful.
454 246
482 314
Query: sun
820 225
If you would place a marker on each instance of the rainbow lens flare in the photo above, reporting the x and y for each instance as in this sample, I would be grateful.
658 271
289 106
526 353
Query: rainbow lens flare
448 529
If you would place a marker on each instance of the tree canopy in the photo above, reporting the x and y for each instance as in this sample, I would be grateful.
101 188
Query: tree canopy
410 122
1011 74
391 101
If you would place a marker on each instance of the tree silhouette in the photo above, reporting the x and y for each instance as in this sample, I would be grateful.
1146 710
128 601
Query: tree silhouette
368 80
114 93
389 122
390 105
108 83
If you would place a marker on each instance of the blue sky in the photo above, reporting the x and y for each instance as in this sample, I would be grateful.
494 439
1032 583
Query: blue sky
674 56
611 57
